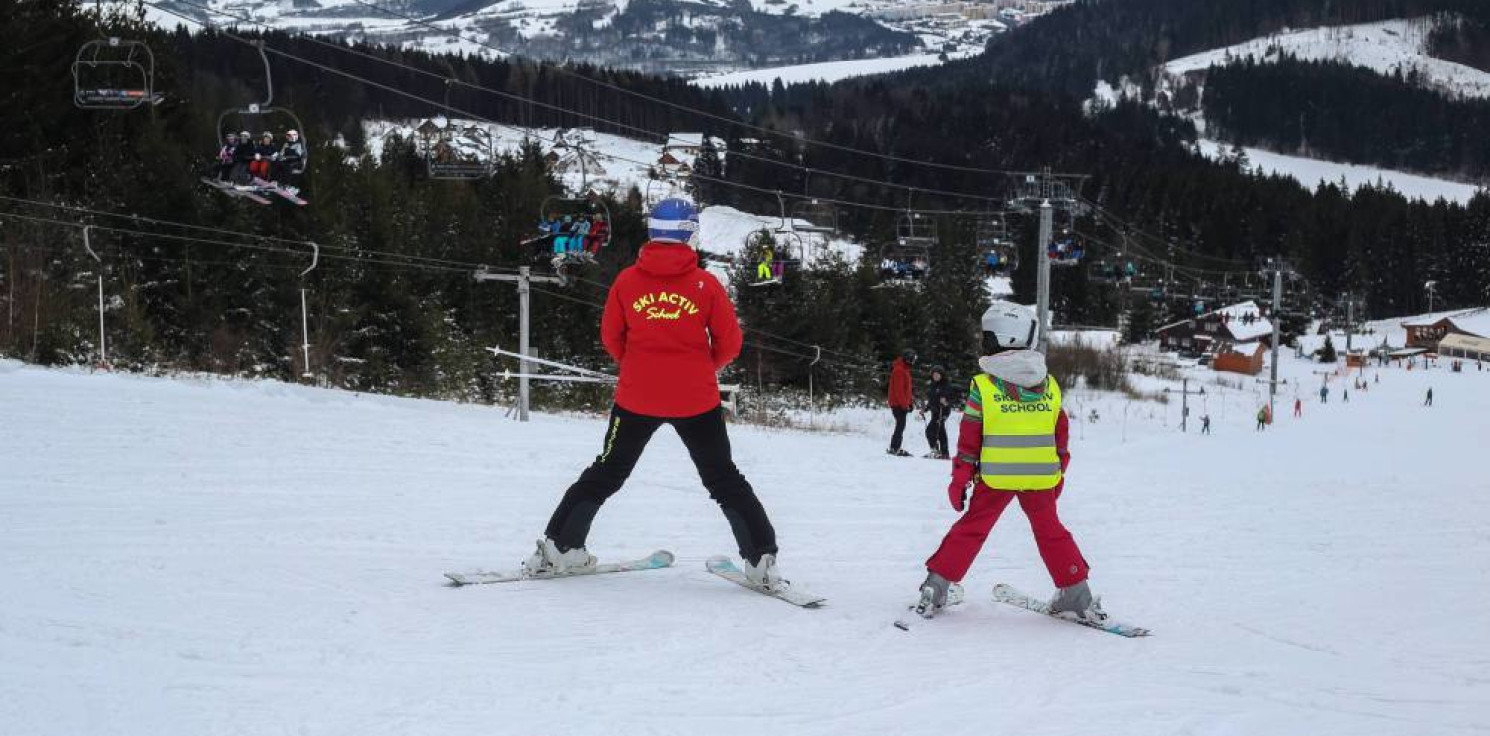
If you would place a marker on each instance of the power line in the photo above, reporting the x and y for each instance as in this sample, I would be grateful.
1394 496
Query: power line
666 137
463 269
471 115
235 233
702 113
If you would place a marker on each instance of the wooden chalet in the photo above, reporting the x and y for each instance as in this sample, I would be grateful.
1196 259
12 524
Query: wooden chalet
1206 334
1426 333
1245 358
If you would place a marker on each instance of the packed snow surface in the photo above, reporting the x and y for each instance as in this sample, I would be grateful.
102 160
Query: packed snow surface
1388 47
1311 171
213 557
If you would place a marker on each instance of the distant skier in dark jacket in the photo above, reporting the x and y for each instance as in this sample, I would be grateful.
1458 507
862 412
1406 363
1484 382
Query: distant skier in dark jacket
941 399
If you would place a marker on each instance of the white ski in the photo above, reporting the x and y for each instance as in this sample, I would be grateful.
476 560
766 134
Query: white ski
725 568
1012 596
657 560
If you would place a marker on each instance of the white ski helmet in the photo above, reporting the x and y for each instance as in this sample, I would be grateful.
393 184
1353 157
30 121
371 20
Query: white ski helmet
1008 326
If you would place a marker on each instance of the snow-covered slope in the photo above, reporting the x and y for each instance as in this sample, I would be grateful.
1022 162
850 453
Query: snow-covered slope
1310 172
207 557
828 71
1388 47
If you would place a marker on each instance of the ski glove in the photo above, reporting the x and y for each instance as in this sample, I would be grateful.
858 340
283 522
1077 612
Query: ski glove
962 477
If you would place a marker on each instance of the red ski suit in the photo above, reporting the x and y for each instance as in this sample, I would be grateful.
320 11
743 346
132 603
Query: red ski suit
671 327
1057 549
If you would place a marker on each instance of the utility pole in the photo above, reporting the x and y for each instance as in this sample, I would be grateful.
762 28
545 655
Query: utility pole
524 279
1185 394
103 348
1044 192
1047 232
1276 266
1349 322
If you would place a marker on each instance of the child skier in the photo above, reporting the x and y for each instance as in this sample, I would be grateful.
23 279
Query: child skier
671 327
941 399
1011 445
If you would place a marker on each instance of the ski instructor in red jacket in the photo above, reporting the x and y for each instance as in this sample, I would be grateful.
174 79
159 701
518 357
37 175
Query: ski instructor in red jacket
671 327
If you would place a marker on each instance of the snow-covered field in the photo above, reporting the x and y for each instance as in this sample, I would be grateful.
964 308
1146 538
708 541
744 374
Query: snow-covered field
215 557
1310 172
827 71
1388 47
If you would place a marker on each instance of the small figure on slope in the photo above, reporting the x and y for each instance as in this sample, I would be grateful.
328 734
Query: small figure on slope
902 398
1011 446
671 327
941 398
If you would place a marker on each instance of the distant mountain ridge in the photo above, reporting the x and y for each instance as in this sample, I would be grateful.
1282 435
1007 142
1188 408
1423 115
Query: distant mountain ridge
683 37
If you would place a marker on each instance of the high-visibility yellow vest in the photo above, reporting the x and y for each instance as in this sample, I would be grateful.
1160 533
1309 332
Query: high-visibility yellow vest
1019 438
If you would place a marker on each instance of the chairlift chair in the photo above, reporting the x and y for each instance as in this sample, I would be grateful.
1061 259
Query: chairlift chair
815 217
1066 249
914 230
901 262
114 74
786 248
572 229
456 153
251 118
661 187
996 252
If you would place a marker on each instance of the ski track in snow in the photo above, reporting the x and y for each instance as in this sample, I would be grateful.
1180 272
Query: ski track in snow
220 557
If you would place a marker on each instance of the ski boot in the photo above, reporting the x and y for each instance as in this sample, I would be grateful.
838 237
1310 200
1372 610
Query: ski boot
897 452
548 561
763 573
937 593
1077 603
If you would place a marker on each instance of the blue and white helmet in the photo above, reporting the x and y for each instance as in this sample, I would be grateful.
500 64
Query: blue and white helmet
675 220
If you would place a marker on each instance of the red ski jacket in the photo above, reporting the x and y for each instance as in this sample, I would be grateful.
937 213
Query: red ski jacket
671 327
900 385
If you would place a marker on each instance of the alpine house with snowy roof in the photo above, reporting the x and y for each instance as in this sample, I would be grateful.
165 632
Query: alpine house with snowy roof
1215 333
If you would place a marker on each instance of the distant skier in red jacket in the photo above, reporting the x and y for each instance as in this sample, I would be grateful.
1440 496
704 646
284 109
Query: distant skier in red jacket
671 327
902 398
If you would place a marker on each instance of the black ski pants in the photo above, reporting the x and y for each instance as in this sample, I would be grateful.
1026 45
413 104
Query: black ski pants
899 436
936 430
707 440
